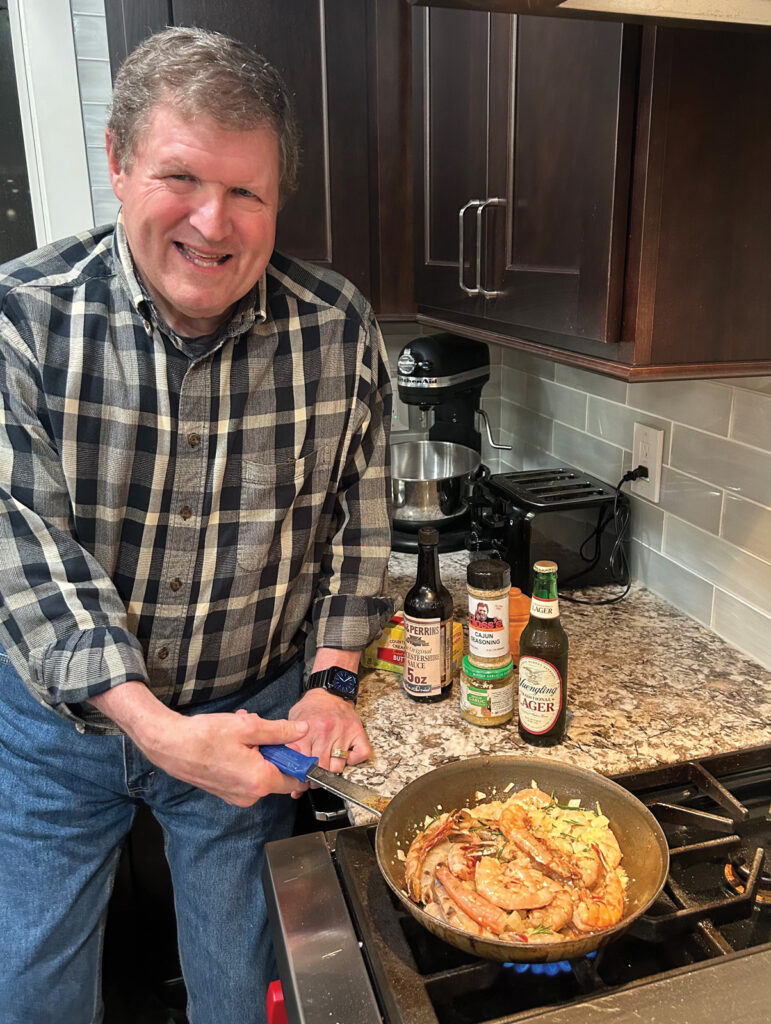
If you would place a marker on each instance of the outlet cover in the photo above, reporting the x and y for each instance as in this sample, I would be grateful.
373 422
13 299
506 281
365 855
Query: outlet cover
648 450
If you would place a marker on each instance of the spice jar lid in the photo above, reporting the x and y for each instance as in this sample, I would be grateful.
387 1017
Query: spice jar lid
488 574
486 674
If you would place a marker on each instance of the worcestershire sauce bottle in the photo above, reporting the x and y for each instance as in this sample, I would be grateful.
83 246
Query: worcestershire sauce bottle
428 627
543 664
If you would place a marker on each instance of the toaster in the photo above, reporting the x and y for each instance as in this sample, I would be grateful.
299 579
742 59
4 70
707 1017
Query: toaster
560 514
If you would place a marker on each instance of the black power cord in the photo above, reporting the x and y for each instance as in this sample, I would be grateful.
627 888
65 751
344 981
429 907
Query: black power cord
618 564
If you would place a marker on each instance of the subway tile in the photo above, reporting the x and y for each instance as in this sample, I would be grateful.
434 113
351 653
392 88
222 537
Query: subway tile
514 385
87 7
528 363
588 453
725 463
743 626
647 523
95 81
719 562
94 123
105 205
691 499
527 426
592 383
688 592
90 36
752 418
697 403
97 167
748 526
564 405
760 384
615 423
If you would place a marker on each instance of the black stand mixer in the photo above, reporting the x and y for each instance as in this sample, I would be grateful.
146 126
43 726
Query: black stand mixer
435 463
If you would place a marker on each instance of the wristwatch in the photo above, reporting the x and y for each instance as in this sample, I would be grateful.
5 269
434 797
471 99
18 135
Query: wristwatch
339 681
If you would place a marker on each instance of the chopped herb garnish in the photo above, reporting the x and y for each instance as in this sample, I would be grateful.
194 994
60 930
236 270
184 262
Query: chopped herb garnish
541 930
599 809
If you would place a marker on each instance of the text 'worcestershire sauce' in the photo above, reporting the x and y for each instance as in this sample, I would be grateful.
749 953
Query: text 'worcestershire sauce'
428 627
543 664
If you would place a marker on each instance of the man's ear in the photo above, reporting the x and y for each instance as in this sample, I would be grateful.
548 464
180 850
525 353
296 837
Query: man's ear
117 173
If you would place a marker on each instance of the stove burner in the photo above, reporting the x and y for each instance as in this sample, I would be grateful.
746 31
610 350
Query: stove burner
737 872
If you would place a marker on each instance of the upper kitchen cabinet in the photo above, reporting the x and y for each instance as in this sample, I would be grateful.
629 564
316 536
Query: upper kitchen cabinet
346 63
593 191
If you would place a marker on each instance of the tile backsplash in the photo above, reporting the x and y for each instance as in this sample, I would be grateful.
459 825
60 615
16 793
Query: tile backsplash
706 545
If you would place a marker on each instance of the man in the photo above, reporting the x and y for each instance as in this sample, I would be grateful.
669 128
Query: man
194 477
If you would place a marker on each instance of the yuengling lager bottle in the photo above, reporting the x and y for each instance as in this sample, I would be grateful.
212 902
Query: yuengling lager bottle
428 627
543 664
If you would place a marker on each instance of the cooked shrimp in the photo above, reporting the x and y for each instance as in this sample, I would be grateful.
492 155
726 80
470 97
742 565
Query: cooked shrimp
602 908
446 910
550 861
421 845
470 902
511 887
531 797
556 915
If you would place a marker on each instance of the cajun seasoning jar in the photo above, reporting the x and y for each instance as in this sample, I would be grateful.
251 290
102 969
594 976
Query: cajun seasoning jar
486 694
489 580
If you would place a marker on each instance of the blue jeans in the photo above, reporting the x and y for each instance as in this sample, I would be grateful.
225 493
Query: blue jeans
67 801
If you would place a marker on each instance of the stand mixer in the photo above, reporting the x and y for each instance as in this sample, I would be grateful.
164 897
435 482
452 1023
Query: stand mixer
440 380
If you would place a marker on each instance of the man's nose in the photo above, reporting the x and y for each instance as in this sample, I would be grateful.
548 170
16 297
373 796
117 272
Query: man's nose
210 218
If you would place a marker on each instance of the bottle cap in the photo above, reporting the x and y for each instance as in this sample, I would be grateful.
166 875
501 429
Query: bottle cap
541 566
488 574
485 674
428 535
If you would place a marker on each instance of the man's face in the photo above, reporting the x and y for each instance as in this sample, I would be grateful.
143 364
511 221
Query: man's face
199 208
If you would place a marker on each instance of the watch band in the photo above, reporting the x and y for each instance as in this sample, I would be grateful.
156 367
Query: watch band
339 681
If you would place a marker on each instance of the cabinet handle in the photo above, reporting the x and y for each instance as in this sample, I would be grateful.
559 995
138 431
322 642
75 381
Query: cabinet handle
468 206
480 210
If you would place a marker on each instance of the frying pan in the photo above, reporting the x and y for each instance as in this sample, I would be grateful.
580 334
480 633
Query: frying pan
454 785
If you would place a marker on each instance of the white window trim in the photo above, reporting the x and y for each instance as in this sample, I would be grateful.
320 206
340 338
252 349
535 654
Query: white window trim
52 121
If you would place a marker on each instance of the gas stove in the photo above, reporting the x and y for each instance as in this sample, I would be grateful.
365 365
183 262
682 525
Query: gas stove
349 954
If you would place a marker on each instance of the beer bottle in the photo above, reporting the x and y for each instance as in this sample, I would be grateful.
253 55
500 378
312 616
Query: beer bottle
543 664
428 627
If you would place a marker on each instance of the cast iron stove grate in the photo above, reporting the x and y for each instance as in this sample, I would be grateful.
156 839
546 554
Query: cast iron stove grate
714 813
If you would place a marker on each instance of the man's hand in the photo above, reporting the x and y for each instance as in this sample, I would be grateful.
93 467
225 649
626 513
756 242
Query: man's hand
214 752
333 725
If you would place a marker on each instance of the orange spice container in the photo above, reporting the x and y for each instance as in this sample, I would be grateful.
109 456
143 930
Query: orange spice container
519 613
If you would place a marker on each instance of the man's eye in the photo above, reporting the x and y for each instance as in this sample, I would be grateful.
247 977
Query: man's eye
181 177
245 193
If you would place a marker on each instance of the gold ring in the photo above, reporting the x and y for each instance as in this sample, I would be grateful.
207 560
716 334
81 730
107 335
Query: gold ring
342 754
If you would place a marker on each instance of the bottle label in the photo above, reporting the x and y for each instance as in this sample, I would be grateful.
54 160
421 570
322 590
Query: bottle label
540 694
488 627
486 702
427 656
543 608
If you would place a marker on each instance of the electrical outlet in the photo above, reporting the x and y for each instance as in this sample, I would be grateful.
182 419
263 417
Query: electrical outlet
647 450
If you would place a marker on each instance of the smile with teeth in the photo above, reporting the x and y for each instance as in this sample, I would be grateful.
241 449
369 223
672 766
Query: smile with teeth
201 259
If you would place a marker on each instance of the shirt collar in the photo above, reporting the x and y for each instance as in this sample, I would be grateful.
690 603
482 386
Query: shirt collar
250 309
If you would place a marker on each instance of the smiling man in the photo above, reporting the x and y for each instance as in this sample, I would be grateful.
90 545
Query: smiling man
194 482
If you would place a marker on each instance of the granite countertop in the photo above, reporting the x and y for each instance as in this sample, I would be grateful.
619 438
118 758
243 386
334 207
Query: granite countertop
646 686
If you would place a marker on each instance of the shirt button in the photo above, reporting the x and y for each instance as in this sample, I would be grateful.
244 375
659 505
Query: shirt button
163 654
147 326
193 440
175 584
185 511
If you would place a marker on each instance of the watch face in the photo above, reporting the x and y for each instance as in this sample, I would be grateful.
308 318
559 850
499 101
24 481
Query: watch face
345 682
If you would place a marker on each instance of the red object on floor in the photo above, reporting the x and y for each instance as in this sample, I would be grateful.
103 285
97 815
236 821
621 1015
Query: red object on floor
274 1004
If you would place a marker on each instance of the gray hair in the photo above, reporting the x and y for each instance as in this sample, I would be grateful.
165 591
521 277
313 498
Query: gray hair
201 72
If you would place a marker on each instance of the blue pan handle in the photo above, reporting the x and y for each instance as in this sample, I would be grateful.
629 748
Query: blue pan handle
288 761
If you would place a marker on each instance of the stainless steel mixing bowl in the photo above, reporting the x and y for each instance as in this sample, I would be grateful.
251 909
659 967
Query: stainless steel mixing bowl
431 481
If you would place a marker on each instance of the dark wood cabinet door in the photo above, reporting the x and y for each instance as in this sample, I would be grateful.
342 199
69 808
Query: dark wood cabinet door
451 73
320 49
560 155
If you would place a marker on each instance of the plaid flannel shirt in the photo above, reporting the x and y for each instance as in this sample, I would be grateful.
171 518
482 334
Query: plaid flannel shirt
185 520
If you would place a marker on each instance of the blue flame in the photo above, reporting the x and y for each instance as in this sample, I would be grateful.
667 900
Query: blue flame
551 970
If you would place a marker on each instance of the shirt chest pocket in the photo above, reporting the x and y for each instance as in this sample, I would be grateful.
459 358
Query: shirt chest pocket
279 505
